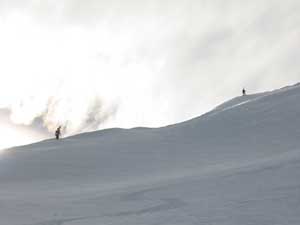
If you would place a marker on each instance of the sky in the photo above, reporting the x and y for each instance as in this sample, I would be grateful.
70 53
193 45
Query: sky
95 64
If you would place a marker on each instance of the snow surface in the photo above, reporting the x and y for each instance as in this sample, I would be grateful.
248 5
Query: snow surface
236 165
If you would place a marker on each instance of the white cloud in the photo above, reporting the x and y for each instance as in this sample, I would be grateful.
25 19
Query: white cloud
94 64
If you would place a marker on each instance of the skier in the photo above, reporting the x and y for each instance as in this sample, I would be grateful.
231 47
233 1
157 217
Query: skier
58 132
244 92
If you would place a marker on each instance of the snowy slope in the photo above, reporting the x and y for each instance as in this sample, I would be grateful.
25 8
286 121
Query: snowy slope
237 165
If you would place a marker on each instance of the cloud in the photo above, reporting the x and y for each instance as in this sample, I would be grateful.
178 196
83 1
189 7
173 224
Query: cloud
96 64
13 134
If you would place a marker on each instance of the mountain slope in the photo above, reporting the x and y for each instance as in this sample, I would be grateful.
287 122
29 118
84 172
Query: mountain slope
238 164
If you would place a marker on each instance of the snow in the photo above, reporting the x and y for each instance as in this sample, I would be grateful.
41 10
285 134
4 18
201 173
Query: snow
236 165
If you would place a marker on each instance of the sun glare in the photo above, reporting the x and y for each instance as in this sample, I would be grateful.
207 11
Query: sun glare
14 137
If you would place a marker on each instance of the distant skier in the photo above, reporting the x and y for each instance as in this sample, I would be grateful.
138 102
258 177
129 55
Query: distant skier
244 92
58 132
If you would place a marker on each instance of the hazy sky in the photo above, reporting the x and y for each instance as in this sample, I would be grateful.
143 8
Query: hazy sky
96 64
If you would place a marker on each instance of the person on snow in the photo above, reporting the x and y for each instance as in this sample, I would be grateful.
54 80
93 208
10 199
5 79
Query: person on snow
244 92
58 132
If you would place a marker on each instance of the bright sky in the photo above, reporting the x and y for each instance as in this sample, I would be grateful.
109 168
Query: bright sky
96 64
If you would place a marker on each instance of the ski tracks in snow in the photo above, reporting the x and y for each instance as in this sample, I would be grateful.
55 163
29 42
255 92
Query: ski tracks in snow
60 221
139 197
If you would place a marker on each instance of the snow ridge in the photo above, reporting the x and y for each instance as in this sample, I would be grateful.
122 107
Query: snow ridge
238 164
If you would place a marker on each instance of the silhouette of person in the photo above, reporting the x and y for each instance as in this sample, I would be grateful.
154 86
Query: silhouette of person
244 91
58 132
